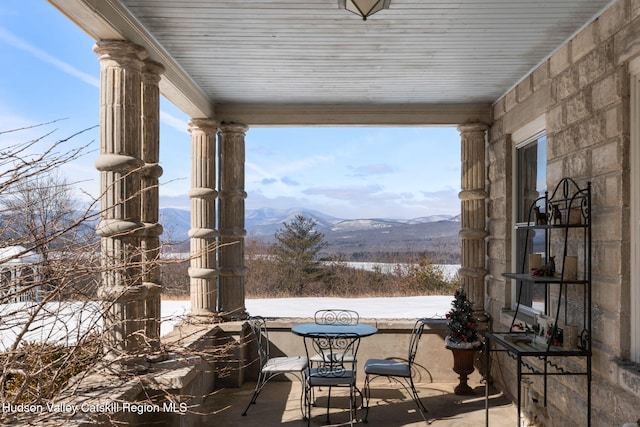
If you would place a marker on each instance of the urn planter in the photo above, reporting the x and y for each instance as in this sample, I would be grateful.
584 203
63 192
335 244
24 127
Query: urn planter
463 366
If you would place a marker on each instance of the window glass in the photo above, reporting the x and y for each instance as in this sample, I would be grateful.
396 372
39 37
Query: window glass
531 184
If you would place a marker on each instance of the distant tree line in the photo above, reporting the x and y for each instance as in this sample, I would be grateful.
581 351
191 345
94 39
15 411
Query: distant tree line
292 267
445 254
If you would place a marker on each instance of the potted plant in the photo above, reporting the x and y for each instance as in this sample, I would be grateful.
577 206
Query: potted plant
462 338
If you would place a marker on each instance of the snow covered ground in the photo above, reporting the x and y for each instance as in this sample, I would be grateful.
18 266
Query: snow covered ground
449 270
56 322
380 308
64 322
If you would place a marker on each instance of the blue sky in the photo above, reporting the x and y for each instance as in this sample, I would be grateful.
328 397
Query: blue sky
51 73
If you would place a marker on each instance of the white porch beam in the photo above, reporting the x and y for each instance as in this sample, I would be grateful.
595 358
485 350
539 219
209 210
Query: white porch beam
355 115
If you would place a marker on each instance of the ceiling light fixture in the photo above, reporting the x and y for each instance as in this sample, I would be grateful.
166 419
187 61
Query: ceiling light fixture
364 8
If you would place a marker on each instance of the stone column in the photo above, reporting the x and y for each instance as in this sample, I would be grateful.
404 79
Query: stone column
473 199
202 272
150 209
120 224
231 221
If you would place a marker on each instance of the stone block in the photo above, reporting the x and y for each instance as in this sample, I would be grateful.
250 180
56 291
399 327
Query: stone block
496 171
607 295
614 18
578 164
607 91
634 9
496 250
566 84
614 121
496 131
591 67
555 171
590 132
605 327
510 100
613 190
627 41
498 109
535 105
607 190
606 261
606 223
523 89
540 76
559 143
584 42
607 158
560 60
496 209
556 118
579 107
629 376
498 191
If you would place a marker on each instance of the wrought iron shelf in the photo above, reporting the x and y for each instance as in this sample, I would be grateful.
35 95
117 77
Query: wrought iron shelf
528 278
529 226
522 344
563 216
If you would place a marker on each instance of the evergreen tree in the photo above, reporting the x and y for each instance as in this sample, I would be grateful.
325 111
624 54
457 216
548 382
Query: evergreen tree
462 325
296 250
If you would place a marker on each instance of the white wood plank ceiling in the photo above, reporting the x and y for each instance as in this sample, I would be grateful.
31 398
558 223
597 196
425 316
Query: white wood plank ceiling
310 53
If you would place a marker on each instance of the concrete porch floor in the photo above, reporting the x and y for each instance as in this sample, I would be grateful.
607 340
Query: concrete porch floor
391 406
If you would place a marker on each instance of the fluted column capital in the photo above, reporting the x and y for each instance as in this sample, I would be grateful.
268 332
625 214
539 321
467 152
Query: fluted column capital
152 72
120 51
206 126
472 127
233 127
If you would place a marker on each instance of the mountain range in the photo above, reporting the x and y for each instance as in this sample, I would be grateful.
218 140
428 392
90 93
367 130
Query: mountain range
436 234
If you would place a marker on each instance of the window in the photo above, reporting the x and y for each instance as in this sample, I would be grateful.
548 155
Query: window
530 184
634 293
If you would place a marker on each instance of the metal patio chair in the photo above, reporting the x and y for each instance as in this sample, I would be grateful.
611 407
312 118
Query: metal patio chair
395 369
271 367
333 316
337 369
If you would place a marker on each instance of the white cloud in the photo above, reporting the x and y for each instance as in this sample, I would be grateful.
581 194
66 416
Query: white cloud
173 121
372 169
15 41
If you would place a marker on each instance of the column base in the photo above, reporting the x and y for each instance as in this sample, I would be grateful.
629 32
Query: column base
202 318
240 314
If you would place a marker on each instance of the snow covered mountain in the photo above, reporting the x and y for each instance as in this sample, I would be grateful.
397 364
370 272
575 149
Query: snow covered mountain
266 221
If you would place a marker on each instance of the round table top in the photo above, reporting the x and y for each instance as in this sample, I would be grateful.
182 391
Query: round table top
361 329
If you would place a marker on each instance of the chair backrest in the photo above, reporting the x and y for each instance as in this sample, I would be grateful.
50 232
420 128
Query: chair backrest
336 317
258 326
338 349
418 328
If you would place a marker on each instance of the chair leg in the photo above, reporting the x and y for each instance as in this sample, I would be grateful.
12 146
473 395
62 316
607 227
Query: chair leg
416 398
353 407
259 385
366 397
309 402
328 405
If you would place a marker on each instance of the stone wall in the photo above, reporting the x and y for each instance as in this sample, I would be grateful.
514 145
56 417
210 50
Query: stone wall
582 91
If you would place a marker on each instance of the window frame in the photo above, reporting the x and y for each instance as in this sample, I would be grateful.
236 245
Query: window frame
521 138
634 202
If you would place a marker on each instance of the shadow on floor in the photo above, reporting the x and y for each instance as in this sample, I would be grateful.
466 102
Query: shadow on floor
279 405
